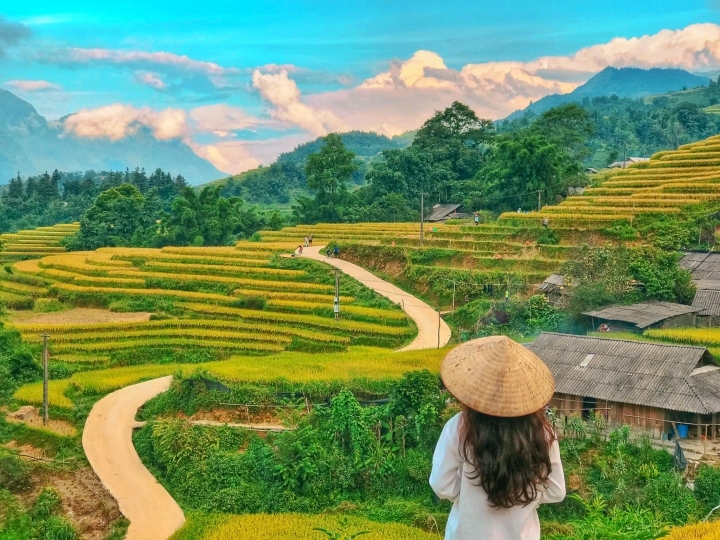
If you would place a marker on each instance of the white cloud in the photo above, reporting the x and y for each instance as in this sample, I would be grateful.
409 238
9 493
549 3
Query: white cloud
32 86
408 93
222 118
118 121
282 92
234 157
148 78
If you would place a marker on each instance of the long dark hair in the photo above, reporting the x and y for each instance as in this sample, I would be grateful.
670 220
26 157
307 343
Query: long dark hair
510 456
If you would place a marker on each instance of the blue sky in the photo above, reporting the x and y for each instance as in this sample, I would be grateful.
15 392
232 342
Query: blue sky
245 80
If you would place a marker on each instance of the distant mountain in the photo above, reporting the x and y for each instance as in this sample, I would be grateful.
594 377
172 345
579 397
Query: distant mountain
30 145
622 82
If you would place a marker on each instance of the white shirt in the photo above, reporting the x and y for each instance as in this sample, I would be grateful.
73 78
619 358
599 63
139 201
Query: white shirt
472 517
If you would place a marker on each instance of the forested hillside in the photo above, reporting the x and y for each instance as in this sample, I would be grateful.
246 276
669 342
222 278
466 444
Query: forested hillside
286 176
639 127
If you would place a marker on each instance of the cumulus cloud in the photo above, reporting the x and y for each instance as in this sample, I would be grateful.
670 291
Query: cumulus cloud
118 121
11 33
148 78
32 86
283 93
405 95
234 157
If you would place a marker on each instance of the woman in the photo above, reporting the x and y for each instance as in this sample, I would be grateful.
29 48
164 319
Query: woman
498 459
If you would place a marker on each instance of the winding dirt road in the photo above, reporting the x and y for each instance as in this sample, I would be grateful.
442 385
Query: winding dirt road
107 441
425 317
107 438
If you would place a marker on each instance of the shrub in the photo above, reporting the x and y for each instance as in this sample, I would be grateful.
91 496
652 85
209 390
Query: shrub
548 237
250 302
666 495
707 486
14 472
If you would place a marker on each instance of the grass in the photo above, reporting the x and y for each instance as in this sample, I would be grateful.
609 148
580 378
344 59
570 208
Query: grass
370 363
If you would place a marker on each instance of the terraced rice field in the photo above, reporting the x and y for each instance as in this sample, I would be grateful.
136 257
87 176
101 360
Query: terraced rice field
292 527
241 299
670 182
35 243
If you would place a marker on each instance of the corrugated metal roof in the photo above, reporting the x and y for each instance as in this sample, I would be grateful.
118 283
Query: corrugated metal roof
636 372
703 266
708 301
642 315
552 282
442 211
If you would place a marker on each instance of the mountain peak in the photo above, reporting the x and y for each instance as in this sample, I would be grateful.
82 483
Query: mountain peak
627 82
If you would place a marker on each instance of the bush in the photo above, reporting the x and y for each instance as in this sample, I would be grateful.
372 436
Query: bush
14 472
707 486
666 495
548 237
250 302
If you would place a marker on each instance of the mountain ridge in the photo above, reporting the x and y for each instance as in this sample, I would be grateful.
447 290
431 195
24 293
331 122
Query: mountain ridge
31 145
623 82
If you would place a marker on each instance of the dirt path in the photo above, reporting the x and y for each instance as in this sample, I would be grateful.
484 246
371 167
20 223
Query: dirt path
425 317
107 438
107 441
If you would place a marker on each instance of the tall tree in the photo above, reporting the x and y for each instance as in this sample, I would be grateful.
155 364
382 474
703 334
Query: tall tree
331 168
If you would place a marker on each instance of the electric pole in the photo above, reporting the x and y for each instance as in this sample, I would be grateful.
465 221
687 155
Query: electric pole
45 378
422 219
336 307
539 194
439 319
453 303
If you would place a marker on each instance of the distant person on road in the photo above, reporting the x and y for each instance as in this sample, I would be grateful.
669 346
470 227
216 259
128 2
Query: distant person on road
328 253
307 241
298 251
498 459
310 239
336 252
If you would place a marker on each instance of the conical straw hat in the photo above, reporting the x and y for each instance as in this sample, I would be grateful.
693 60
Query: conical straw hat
497 376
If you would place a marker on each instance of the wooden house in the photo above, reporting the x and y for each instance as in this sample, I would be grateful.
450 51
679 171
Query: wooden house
648 386
705 269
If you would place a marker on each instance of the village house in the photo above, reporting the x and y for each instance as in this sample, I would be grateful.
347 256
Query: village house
649 386
638 317
442 212
556 289
705 270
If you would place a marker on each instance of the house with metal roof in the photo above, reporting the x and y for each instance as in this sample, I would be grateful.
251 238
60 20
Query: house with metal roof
645 385
441 212
705 270
644 315
556 288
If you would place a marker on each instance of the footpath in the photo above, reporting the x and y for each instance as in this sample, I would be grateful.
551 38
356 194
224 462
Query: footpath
107 437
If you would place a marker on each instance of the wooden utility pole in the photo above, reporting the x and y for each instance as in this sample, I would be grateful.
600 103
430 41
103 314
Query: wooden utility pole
539 194
336 307
422 219
453 303
45 378
439 319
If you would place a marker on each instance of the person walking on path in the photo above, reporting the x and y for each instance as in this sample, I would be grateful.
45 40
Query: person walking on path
299 250
307 241
499 458
336 252
328 253
310 240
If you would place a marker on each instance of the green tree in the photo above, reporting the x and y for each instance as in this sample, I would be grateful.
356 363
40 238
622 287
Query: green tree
569 127
518 167
120 216
208 219
331 168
